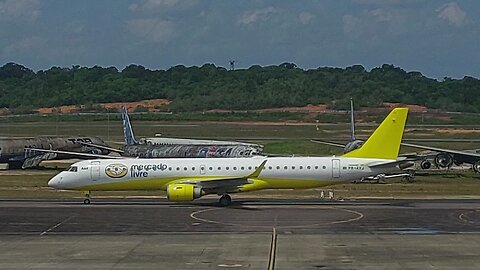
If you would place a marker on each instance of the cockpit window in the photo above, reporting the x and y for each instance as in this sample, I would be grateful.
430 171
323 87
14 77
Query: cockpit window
73 169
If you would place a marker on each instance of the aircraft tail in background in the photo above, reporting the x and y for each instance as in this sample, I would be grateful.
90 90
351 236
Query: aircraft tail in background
127 128
352 121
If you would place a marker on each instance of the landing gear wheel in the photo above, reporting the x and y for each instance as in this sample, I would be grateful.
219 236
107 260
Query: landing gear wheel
444 161
476 167
225 200
87 197
411 176
425 164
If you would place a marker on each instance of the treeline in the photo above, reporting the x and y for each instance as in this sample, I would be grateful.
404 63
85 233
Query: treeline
211 87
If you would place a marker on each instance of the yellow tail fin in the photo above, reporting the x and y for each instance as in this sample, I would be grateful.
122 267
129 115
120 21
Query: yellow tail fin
385 141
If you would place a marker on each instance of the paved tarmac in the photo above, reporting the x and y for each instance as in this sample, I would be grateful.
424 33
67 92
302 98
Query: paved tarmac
251 234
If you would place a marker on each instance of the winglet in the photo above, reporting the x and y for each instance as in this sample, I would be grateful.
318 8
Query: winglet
257 172
385 141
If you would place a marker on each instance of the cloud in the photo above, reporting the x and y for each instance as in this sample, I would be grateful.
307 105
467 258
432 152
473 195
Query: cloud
154 30
452 13
349 23
381 15
252 16
28 44
161 5
388 3
27 10
306 17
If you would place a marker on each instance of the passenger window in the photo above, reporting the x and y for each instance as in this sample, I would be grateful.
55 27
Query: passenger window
219 168
301 167
324 167
278 167
285 167
178 168
169 168
184 168
227 168
249 167
242 168
211 168
193 168
316 167
308 167
269 167
293 167
234 168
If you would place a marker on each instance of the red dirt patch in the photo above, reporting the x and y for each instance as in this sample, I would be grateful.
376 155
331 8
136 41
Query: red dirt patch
151 104
4 111
411 107
309 109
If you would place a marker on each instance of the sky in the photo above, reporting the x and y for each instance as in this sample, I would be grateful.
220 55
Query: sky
437 38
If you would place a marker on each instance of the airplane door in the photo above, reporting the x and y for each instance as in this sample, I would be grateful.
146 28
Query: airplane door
335 168
95 170
202 169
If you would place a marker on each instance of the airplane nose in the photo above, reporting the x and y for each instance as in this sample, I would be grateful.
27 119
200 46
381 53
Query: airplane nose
55 181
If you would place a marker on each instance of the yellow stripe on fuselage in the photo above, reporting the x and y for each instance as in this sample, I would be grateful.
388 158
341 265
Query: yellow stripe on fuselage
162 183
278 183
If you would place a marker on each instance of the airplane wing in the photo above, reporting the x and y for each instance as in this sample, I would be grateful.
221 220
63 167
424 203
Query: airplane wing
72 153
450 151
102 147
226 184
34 161
328 143
401 161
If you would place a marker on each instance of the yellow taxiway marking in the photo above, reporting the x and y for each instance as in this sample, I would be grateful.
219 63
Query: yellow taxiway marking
273 250
358 216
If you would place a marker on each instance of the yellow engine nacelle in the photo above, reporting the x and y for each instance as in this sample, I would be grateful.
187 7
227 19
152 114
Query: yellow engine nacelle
183 192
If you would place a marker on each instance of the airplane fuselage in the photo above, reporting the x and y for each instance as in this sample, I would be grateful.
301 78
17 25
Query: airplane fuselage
167 141
188 151
157 174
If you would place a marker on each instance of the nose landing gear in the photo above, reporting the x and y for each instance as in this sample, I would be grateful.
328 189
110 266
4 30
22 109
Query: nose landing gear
87 197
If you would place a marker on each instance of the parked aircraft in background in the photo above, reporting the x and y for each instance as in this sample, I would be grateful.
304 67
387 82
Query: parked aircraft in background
128 131
351 145
182 148
189 179
19 153
445 158
441 157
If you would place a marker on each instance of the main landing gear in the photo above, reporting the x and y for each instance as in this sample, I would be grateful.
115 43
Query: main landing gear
225 200
87 197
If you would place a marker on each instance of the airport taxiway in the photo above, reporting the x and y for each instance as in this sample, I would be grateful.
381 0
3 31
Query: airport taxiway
252 234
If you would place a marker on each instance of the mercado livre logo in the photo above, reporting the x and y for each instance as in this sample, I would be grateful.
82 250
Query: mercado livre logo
116 170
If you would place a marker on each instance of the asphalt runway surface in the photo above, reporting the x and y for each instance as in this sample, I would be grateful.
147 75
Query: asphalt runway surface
251 234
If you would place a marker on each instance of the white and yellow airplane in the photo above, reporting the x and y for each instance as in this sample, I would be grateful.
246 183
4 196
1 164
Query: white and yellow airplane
188 179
